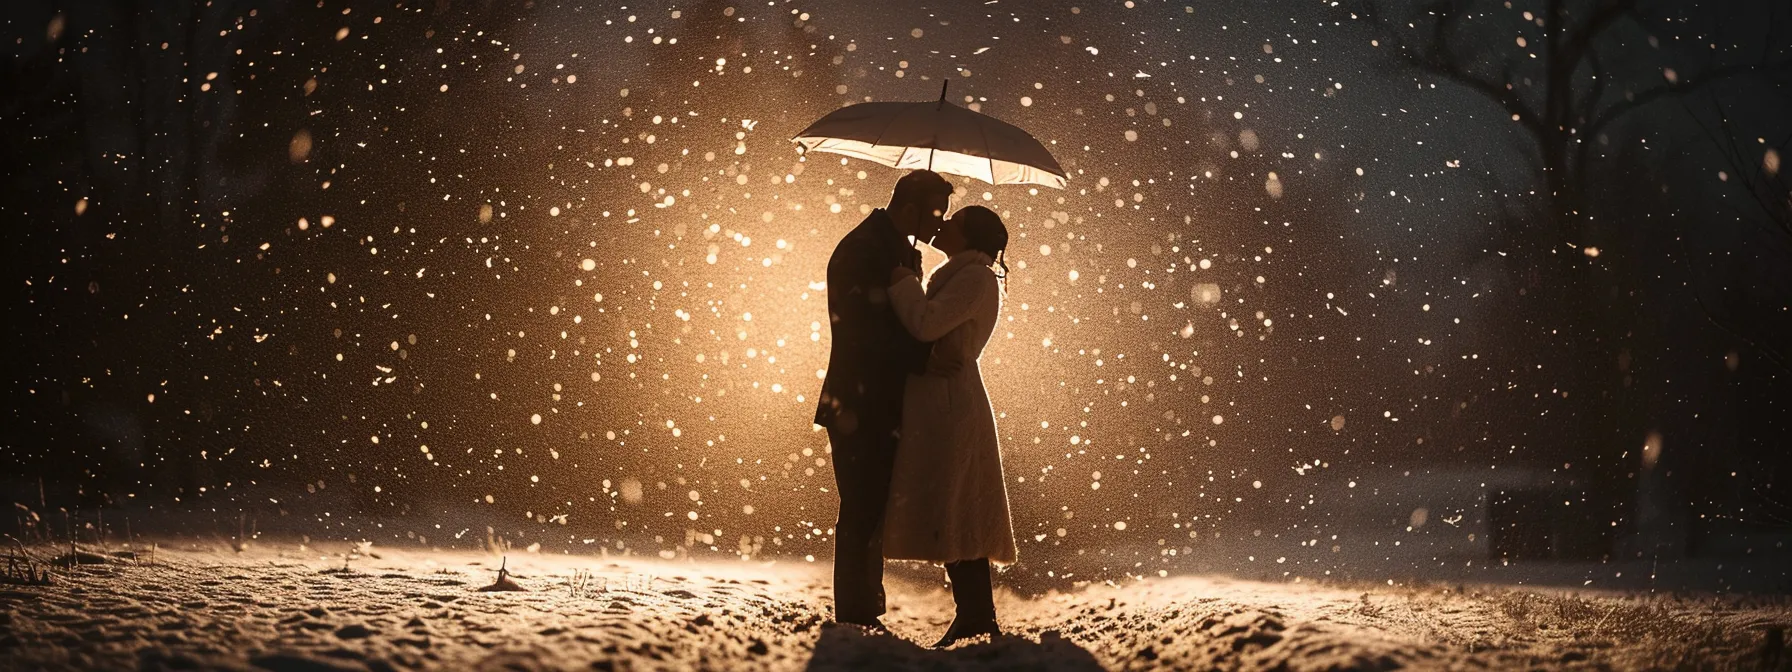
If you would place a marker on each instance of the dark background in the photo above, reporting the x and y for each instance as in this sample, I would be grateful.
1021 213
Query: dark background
1313 296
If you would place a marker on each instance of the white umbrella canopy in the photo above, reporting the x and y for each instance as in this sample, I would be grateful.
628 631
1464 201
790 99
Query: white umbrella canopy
937 136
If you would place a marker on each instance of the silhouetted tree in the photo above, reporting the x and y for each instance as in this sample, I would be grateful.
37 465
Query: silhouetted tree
1569 74
1558 71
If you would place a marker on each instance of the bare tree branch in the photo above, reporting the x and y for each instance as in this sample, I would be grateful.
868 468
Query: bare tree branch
1680 88
1769 192
1587 108
1772 356
1556 90
1588 32
1438 59
1591 102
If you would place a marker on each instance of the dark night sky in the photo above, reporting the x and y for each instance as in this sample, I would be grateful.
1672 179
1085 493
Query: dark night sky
469 261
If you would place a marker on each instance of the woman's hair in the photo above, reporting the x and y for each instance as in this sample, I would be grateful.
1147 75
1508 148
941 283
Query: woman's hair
984 232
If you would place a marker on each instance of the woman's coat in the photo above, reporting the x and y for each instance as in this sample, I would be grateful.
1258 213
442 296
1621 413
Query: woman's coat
948 498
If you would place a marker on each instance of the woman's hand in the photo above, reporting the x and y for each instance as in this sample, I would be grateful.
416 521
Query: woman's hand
900 273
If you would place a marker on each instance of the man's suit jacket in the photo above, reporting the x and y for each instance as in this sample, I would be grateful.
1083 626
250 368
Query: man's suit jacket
872 354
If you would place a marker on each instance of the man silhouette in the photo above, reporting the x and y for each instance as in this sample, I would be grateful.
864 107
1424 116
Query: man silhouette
868 367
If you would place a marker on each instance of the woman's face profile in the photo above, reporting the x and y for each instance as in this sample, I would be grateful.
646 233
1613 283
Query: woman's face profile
951 239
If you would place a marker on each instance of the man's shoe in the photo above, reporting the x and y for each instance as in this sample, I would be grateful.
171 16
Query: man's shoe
871 627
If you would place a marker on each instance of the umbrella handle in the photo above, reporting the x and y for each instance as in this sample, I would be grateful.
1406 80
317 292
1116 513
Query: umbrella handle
943 84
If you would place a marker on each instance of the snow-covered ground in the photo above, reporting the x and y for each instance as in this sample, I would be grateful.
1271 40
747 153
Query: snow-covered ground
287 607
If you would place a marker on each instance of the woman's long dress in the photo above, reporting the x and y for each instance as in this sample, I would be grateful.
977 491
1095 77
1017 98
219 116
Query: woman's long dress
948 498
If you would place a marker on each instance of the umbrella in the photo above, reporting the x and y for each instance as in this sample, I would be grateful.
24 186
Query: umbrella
937 136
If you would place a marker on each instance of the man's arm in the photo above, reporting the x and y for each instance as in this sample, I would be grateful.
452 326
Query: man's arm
918 355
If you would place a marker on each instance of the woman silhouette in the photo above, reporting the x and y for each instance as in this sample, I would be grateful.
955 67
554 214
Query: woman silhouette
948 500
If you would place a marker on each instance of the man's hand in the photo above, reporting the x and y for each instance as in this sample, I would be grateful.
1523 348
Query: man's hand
900 273
943 364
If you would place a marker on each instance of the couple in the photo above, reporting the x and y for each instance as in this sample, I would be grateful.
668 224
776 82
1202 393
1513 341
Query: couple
916 462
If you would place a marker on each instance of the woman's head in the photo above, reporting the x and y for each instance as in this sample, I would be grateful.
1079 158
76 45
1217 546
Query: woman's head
974 227
982 230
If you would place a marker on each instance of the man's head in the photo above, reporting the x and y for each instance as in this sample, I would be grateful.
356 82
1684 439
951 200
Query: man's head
919 204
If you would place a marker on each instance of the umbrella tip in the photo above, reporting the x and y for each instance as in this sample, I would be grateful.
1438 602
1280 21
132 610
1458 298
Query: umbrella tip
944 82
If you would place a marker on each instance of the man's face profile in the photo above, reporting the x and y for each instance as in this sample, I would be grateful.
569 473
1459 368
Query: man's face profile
934 218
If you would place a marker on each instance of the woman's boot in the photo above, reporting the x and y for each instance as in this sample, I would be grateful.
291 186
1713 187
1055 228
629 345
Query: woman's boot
974 598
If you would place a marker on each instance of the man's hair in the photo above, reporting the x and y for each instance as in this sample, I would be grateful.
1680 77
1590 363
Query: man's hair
916 187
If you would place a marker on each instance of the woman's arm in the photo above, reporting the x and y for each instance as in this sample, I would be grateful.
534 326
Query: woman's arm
929 319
